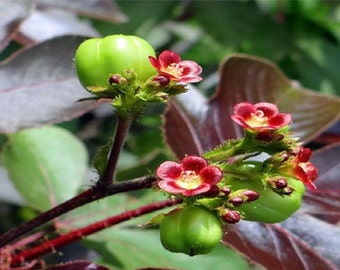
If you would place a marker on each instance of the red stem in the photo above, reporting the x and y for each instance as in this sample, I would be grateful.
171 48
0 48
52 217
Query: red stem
123 126
75 235
90 195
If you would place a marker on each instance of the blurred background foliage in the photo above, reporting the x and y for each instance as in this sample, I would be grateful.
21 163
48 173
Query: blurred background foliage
301 36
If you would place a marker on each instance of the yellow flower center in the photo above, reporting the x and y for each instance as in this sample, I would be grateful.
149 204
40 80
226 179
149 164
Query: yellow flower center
189 180
258 119
174 70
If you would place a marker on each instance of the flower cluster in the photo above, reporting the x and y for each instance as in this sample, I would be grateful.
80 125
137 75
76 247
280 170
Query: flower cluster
227 182
170 65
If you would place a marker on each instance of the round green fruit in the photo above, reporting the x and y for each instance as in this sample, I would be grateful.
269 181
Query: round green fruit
192 230
270 207
97 58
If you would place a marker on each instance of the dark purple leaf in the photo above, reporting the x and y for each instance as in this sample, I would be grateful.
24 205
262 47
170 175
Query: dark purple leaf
105 10
78 265
301 242
51 23
39 86
12 13
193 124
325 201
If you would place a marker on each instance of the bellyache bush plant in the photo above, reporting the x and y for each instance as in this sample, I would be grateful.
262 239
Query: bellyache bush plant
240 173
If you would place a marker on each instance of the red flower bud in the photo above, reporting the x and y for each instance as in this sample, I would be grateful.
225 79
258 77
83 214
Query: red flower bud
236 201
231 216
226 190
250 195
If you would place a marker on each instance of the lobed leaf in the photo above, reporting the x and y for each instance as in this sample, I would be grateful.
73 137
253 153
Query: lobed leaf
46 165
39 86
202 124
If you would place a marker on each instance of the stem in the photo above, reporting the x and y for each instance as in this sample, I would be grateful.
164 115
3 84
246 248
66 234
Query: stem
90 195
90 229
121 132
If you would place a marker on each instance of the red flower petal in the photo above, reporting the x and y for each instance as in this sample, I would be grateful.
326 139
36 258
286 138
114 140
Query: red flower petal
193 163
167 57
243 110
199 190
169 170
304 154
170 186
154 61
280 120
211 175
269 109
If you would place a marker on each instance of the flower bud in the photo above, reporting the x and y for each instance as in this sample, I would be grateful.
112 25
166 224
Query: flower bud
231 216
162 80
287 190
277 183
250 195
236 201
226 191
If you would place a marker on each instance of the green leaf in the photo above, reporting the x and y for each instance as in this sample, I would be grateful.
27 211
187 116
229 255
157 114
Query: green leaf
46 165
137 248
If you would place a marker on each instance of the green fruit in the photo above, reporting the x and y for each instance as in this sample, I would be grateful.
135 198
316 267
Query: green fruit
270 207
192 230
97 58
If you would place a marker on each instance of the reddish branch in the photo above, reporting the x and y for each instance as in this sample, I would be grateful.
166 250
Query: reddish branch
75 235
90 195
122 129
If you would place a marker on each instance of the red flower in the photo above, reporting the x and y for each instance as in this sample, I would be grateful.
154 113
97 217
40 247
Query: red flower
260 116
191 177
300 167
170 64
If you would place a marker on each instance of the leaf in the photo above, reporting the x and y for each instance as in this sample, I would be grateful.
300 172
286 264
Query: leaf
137 248
301 242
12 13
99 9
8 193
39 86
50 23
77 265
203 124
324 202
46 165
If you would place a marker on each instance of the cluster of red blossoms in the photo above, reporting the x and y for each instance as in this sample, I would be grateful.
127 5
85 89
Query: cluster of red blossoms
195 176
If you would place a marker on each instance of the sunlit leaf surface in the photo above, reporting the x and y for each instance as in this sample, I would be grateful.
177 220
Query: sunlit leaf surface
46 165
